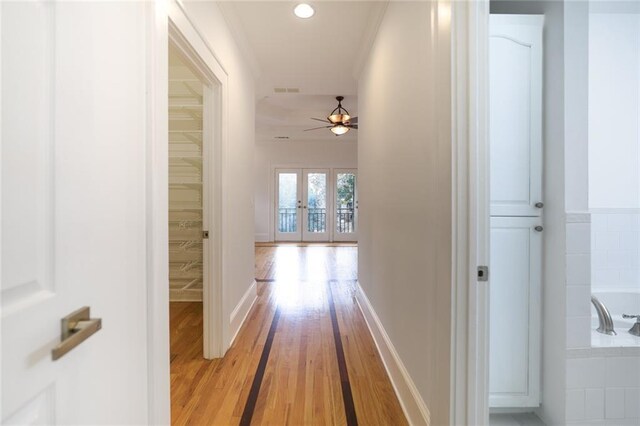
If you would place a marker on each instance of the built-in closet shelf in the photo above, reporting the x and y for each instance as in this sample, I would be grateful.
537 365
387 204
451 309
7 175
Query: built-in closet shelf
185 183
185 209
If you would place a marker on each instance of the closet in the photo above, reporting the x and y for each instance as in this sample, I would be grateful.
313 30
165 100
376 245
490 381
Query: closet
515 74
186 214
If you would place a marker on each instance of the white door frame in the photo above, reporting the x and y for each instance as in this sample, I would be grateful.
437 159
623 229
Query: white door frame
211 199
169 21
470 130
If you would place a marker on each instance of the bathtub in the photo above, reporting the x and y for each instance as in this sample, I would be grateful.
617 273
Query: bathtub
617 302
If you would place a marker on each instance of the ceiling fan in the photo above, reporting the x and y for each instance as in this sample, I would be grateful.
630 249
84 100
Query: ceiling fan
340 122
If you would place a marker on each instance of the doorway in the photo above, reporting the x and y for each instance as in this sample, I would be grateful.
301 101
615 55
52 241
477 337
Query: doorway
194 197
316 205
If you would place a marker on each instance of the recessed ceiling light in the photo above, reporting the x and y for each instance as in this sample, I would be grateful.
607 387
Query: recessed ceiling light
304 11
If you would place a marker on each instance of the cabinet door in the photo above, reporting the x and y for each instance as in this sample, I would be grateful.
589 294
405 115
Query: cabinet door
515 79
516 253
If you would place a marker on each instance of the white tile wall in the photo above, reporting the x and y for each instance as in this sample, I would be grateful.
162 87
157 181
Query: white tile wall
603 389
578 276
594 404
603 386
615 250
614 403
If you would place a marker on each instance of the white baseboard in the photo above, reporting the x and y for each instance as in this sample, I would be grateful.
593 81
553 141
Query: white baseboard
262 238
412 403
242 309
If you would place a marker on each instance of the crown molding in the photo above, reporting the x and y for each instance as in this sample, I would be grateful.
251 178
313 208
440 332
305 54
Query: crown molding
230 16
369 36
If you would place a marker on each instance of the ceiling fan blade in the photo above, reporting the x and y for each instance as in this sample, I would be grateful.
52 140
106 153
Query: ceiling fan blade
353 120
352 126
319 119
316 128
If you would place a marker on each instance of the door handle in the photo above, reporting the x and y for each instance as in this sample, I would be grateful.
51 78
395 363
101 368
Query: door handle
75 328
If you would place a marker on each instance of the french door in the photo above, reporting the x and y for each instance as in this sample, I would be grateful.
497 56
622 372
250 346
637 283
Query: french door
302 205
316 205
345 205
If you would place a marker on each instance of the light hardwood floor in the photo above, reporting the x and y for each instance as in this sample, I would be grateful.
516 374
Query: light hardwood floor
304 356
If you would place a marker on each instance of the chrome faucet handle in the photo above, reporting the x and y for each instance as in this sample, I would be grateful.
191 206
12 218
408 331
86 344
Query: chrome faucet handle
635 329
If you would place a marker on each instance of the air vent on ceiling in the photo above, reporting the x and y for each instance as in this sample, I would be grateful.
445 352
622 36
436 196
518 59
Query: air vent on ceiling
286 90
281 137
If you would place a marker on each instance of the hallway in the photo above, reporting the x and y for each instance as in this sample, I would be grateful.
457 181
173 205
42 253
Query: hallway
303 356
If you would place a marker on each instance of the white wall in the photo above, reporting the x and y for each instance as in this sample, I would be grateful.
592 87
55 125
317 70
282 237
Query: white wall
238 250
554 336
405 259
614 108
292 153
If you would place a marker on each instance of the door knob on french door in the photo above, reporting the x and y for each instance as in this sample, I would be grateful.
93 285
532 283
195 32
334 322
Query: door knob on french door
75 328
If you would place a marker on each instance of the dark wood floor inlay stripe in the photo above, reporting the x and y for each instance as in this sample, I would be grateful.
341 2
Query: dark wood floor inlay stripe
252 399
347 396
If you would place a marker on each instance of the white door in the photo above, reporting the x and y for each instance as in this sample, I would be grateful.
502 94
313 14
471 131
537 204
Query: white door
515 78
345 183
73 211
288 204
316 210
515 313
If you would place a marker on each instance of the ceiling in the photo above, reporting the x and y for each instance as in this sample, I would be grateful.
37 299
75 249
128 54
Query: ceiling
317 57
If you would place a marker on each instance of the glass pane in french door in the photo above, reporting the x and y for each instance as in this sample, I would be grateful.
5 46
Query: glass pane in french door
317 202
345 202
287 202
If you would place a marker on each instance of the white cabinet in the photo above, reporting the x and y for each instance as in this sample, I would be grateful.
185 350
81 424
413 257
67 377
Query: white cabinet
516 257
516 209
515 93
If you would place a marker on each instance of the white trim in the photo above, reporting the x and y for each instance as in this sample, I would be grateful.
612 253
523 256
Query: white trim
241 311
262 237
413 405
230 15
369 36
158 380
470 213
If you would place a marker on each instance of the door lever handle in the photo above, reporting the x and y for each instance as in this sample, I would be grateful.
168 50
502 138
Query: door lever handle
75 328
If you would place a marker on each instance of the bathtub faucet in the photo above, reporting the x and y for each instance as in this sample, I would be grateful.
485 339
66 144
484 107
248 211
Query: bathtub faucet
635 329
604 318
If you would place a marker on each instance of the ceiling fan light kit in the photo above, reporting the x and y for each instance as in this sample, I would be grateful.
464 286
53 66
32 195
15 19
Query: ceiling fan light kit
339 129
340 121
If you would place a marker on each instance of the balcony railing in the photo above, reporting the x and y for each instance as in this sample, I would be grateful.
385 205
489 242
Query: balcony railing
316 220
345 219
288 220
